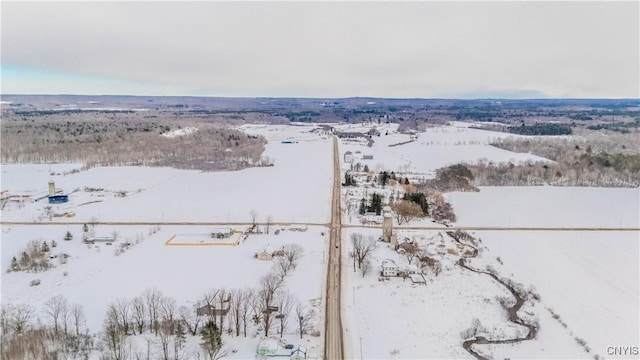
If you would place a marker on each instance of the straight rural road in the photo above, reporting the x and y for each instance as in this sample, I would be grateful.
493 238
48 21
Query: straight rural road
333 343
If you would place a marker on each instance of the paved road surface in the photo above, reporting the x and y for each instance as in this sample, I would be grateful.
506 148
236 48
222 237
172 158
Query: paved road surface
333 321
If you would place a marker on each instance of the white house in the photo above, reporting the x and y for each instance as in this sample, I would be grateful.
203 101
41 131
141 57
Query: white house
389 268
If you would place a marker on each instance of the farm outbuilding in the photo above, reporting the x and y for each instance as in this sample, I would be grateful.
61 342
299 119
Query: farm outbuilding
267 347
58 199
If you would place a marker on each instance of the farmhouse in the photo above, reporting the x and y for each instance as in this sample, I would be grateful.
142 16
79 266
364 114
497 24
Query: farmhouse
389 268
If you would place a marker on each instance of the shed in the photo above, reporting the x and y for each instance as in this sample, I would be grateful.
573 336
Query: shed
348 157
299 354
265 254
58 199
267 347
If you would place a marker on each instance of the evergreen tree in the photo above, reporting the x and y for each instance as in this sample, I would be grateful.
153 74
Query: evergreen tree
211 339
181 336
68 236
363 207
366 168
45 247
376 203
14 264
406 181
53 243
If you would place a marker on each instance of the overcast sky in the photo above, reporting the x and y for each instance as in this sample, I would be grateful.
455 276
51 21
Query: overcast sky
325 49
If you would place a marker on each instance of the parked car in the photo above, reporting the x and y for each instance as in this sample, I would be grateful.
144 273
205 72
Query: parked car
288 346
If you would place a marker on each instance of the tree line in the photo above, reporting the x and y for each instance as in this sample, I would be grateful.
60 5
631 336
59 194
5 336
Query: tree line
129 142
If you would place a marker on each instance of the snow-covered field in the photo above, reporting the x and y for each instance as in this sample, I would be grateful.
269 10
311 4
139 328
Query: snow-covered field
590 279
548 206
295 189
435 148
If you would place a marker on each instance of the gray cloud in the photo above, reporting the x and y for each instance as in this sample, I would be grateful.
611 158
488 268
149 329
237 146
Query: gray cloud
415 49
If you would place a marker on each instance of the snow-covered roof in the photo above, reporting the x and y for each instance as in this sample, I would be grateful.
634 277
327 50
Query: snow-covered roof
268 344
267 249
388 263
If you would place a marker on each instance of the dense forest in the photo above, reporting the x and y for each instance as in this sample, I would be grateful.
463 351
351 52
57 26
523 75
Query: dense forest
590 160
130 141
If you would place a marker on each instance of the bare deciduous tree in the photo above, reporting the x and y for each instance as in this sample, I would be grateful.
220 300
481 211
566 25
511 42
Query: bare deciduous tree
365 267
152 299
138 314
304 317
293 253
254 214
112 336
190 319
167 314
266 297
405 211
269 220
235 312
5 320
249 296
123 314
362 248
222 301
285 302
78 317
281 267
54 308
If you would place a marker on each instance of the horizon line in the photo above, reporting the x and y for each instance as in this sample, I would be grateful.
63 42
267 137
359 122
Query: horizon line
330 98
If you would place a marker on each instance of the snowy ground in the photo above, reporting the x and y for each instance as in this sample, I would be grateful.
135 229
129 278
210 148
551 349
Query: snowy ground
165 194
435 148
296 189
548 206
95 276
590 279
